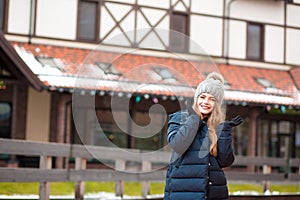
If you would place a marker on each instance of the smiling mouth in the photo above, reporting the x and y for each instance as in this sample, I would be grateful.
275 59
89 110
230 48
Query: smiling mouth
204 106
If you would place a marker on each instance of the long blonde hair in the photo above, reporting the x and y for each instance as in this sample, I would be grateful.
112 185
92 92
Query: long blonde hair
214 119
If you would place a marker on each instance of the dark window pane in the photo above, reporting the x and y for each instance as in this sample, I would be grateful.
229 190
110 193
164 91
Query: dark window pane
87 20
110 131
254 43
178 37
5 120
2 10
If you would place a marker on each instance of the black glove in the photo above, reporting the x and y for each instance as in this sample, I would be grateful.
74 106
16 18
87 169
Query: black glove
235 121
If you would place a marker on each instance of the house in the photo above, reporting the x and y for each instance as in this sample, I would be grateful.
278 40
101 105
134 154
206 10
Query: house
109 72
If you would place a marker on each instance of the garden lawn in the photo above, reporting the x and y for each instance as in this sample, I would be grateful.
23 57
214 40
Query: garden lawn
130 188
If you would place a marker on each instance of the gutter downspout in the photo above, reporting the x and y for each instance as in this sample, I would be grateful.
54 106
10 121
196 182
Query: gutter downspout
31 20
227 30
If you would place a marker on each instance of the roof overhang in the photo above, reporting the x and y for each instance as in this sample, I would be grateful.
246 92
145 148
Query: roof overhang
242 90
10 59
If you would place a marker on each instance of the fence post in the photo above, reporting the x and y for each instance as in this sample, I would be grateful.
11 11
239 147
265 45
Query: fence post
44 190
120 166
266 184
80 163
146 167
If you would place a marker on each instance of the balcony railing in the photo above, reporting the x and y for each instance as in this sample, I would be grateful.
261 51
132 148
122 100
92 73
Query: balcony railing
266 169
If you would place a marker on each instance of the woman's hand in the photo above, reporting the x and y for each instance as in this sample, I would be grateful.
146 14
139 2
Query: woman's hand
235 121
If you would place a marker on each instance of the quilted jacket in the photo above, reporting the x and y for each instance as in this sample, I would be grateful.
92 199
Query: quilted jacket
193 173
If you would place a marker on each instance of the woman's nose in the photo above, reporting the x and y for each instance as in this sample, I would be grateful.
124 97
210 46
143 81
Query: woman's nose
206 100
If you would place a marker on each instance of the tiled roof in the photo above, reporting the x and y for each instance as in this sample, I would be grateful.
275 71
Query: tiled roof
77 68
295 73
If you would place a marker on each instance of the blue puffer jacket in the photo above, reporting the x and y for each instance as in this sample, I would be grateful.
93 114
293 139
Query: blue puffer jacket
193 173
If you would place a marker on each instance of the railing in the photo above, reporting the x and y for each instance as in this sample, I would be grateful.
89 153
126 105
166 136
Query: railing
267 169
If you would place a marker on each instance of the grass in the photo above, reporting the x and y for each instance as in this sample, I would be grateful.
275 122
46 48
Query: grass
67 188
285 189
155 188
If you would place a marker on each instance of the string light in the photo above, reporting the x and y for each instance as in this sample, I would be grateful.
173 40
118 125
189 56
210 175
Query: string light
283 109
268 108
2 85
138 99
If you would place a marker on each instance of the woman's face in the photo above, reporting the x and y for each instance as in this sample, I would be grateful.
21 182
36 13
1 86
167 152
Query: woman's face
206 103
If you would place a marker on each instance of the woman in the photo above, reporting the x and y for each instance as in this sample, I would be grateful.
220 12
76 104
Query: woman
201 145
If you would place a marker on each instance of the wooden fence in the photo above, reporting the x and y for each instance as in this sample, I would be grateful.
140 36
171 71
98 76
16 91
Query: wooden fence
267 169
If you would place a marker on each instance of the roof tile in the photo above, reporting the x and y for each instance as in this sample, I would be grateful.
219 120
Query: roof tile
138 69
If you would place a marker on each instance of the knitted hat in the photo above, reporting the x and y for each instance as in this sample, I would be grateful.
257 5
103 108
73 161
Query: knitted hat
214 85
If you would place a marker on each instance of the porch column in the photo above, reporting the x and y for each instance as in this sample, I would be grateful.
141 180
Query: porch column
61 122
252 136
14 124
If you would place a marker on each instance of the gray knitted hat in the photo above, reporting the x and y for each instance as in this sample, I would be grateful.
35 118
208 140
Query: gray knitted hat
214 85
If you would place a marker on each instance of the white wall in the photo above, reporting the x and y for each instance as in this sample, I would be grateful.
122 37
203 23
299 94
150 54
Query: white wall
155 3
162 28
207 32
293 15
38 116
56 18
116 37
296 1
267 11
293 46
237 39
19 16
124 1
211 7
107 24
274 44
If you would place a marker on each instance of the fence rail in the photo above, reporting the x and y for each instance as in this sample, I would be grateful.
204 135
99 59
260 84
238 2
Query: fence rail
268 169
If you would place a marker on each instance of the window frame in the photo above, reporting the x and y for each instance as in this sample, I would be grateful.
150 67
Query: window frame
96 25
186 33
49 62
5 16
9 120
108 68
261 44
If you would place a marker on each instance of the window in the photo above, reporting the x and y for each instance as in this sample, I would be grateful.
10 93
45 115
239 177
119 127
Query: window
87 20
178 37
115 128
110 131
2 14
164 74
108 68
278 138
149 137
297 140
5 120
50 63
265 83
269 86
255 40
4 72
241 139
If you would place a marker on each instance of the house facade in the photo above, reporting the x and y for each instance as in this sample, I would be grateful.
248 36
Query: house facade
109 72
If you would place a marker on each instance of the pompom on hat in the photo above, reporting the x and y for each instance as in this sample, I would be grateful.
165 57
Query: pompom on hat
214 85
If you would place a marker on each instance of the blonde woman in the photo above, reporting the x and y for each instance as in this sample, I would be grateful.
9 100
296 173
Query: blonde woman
201 144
